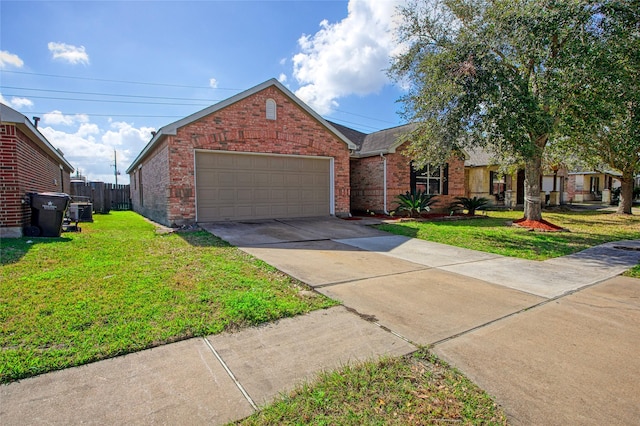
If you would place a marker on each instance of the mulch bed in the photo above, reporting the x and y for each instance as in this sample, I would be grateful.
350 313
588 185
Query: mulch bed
537 225
424 216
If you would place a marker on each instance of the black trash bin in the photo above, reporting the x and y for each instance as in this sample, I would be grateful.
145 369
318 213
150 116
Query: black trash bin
47 212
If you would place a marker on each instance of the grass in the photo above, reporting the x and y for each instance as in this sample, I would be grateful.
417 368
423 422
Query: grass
414 389
119 287
587 229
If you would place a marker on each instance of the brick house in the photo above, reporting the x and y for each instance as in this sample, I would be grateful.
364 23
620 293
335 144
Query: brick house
29 164
265 154
262 153
380 171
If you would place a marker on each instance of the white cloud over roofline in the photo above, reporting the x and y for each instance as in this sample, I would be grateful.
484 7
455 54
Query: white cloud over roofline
69 53
349 57
16 102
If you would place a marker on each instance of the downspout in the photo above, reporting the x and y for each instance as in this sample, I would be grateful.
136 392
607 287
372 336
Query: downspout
384 183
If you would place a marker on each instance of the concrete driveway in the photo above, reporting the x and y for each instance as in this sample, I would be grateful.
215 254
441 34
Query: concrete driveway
556 342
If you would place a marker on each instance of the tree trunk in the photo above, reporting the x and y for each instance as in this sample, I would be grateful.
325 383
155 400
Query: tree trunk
532 200
626 194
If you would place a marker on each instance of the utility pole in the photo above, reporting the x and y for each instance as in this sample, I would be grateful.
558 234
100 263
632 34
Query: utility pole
115 165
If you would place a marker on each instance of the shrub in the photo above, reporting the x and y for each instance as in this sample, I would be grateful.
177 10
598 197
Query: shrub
415 203
470 204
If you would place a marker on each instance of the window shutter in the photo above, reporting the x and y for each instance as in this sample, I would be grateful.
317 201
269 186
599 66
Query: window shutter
491 179
412 174
445 179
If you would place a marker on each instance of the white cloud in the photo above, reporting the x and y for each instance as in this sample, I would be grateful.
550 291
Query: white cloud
90 148
125 135
348 57
57 117
16 103
20 103
282 78
283 61
67 52
213 83
8 60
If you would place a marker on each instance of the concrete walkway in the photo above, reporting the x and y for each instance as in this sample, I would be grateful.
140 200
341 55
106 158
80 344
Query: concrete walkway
555 342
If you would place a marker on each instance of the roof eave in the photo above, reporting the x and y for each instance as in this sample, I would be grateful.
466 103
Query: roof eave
9 115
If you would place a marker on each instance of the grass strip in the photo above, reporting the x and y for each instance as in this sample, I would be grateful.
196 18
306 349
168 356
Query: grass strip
492 234
119 287
413 389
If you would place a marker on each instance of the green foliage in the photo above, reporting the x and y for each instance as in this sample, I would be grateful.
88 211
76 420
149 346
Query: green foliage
604 125
470 204
414 203
491 74
118 287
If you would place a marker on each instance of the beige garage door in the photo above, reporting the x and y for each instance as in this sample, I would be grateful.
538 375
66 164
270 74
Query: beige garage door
249 186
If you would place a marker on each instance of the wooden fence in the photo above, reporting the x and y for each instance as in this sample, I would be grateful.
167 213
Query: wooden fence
104 196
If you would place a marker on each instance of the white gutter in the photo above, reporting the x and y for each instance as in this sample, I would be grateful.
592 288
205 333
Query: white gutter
384 183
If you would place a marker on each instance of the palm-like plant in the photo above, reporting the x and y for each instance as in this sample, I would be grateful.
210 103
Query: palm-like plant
415 203
470 204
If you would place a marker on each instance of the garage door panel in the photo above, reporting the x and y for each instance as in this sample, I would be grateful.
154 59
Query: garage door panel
246 186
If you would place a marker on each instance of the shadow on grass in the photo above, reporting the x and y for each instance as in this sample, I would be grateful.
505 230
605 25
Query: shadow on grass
14 249
202 239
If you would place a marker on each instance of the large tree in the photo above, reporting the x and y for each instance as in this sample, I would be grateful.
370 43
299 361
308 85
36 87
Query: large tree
605 122
491 73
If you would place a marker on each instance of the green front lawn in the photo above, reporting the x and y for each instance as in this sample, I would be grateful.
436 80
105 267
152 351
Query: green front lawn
491 234
118 287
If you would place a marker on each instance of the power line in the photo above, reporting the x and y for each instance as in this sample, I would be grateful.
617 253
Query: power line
111 100
110 115
107 94
210 101
120 81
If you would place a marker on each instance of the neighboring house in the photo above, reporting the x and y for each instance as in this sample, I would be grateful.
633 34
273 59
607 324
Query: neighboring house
483 179
380 171
592 185
29 164
260 154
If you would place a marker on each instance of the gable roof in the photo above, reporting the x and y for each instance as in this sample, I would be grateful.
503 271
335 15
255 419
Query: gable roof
10 115
172 128
385 141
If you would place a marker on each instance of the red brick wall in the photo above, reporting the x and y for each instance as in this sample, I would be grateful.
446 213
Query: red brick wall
366 184
243 127
155 184
367 181
25 167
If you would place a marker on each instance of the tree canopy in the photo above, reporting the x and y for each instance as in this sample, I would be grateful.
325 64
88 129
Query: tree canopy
499 73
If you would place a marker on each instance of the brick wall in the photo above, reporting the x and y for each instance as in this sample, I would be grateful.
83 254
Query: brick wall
25 168
243 127
150 185
367 189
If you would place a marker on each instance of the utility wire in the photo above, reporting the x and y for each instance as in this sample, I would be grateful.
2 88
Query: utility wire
111 100
120 81
107 94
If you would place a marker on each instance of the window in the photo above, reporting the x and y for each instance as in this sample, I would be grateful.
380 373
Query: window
271 109
497 184
432 180
594 183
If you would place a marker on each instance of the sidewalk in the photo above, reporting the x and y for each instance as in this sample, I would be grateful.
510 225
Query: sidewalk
527 335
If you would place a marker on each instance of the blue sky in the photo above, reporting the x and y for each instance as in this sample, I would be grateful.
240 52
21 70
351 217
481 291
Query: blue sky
103 75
